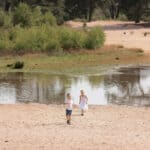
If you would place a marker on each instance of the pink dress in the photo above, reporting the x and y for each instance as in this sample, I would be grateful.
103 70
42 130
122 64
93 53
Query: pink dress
83 102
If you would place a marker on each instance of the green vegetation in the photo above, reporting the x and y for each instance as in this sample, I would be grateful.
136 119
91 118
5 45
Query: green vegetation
95 38
34 27
47 38
25 16
34 30
83 9
75 61
5 19
16 65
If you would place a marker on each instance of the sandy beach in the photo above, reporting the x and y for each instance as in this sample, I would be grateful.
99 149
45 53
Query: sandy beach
125 33
43 127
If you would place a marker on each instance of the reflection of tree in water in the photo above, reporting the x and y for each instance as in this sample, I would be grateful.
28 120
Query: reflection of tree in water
13 80
95 81
127 88
49 89
34 87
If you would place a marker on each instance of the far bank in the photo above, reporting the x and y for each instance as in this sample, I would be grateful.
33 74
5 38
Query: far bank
76 61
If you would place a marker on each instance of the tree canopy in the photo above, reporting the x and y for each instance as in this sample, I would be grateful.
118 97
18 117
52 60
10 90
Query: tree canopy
85 9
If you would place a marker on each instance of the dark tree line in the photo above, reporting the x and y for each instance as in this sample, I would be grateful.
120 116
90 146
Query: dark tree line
84 9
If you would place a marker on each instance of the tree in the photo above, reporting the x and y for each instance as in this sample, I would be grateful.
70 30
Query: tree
23 15
84 9
81 8
134 9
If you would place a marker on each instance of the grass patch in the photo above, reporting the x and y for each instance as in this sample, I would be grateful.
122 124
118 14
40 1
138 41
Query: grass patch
75 60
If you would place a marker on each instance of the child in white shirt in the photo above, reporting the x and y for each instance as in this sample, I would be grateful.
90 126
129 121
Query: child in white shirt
69 104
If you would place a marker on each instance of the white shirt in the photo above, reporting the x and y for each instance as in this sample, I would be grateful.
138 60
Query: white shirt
69 103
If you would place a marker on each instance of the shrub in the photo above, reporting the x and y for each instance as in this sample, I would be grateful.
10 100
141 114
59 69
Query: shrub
95 38
5 19
51 41
47 38
2 17
58 9
22 15
122 17
27 17
5 43
78 39
8 22
48 19
66 38
53 45
71 39
36 16
39 18
146 17
18 65
42 38
28 39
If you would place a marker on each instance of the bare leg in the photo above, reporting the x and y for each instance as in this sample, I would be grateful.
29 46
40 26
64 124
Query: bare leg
67 117
82 112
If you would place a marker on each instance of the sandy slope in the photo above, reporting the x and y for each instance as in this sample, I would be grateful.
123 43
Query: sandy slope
122 33
37 127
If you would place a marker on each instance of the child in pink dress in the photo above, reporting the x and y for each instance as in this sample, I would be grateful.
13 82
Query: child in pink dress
83 102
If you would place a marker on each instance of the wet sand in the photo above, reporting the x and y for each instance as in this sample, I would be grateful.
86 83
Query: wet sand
43 127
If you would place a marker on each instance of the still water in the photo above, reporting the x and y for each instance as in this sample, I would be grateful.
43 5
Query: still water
123 86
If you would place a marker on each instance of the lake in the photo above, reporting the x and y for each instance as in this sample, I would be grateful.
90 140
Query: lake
121 86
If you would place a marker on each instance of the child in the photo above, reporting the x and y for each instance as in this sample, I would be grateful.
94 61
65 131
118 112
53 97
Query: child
83 102
69 103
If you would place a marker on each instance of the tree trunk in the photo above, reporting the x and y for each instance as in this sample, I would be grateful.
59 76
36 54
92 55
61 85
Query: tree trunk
90 10
7 6
138 12
90 13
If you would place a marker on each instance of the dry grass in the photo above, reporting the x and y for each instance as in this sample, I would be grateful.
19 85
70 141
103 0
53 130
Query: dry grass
75 60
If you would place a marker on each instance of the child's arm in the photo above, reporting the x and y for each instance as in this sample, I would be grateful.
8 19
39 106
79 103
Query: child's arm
86 99
65 102
79 99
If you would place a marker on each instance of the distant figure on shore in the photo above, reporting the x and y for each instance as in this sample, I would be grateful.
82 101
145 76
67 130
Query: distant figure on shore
69 105
83 102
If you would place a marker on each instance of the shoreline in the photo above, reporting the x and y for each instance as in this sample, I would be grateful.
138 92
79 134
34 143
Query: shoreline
37 127
109 56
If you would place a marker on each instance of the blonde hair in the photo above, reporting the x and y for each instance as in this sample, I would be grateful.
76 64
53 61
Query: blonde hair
82 91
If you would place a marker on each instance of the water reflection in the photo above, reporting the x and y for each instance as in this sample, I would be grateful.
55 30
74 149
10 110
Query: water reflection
129 86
